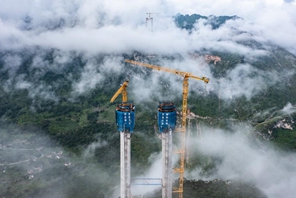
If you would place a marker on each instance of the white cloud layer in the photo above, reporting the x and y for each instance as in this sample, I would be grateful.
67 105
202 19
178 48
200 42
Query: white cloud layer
104 26
117 27
242 158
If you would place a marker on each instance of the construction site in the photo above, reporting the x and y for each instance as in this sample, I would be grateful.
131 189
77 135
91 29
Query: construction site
168 127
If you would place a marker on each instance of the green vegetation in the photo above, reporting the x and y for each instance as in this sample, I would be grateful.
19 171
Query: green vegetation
42 102
216 189
187 21
285 138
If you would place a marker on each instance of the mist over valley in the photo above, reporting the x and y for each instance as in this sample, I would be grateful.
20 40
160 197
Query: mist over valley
62 61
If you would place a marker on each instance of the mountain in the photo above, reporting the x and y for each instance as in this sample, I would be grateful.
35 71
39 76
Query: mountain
216 188
188 21
58 124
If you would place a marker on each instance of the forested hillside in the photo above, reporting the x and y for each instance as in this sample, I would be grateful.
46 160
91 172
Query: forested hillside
58 125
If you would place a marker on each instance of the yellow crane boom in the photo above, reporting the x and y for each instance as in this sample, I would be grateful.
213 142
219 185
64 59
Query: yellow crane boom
173 71
186 76
121 90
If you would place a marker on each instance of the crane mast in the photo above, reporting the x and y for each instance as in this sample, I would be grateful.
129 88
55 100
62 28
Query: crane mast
125 121
150 18
186 76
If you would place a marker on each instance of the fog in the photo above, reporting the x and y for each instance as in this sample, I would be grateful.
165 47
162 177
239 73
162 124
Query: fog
101 27
30 159
242 157
100 31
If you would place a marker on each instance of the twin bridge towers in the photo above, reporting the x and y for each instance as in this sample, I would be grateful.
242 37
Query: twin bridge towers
166 119
125 120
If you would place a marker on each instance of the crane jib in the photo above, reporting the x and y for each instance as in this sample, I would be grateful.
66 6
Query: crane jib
173 71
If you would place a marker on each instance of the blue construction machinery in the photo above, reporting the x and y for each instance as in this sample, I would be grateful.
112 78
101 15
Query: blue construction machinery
167 116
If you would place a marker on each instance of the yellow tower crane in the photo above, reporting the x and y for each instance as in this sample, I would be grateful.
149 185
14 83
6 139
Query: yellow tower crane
125 121
186 76
121 90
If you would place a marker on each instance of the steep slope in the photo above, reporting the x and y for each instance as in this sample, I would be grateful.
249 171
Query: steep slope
65 96
188 21
216 188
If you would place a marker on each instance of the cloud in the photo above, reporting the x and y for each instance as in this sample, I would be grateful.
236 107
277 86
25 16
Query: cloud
43 91
90 77
153 172
91 28
89 152
288 109
96 71
29 157
116 28
241 157
11 63
244 80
